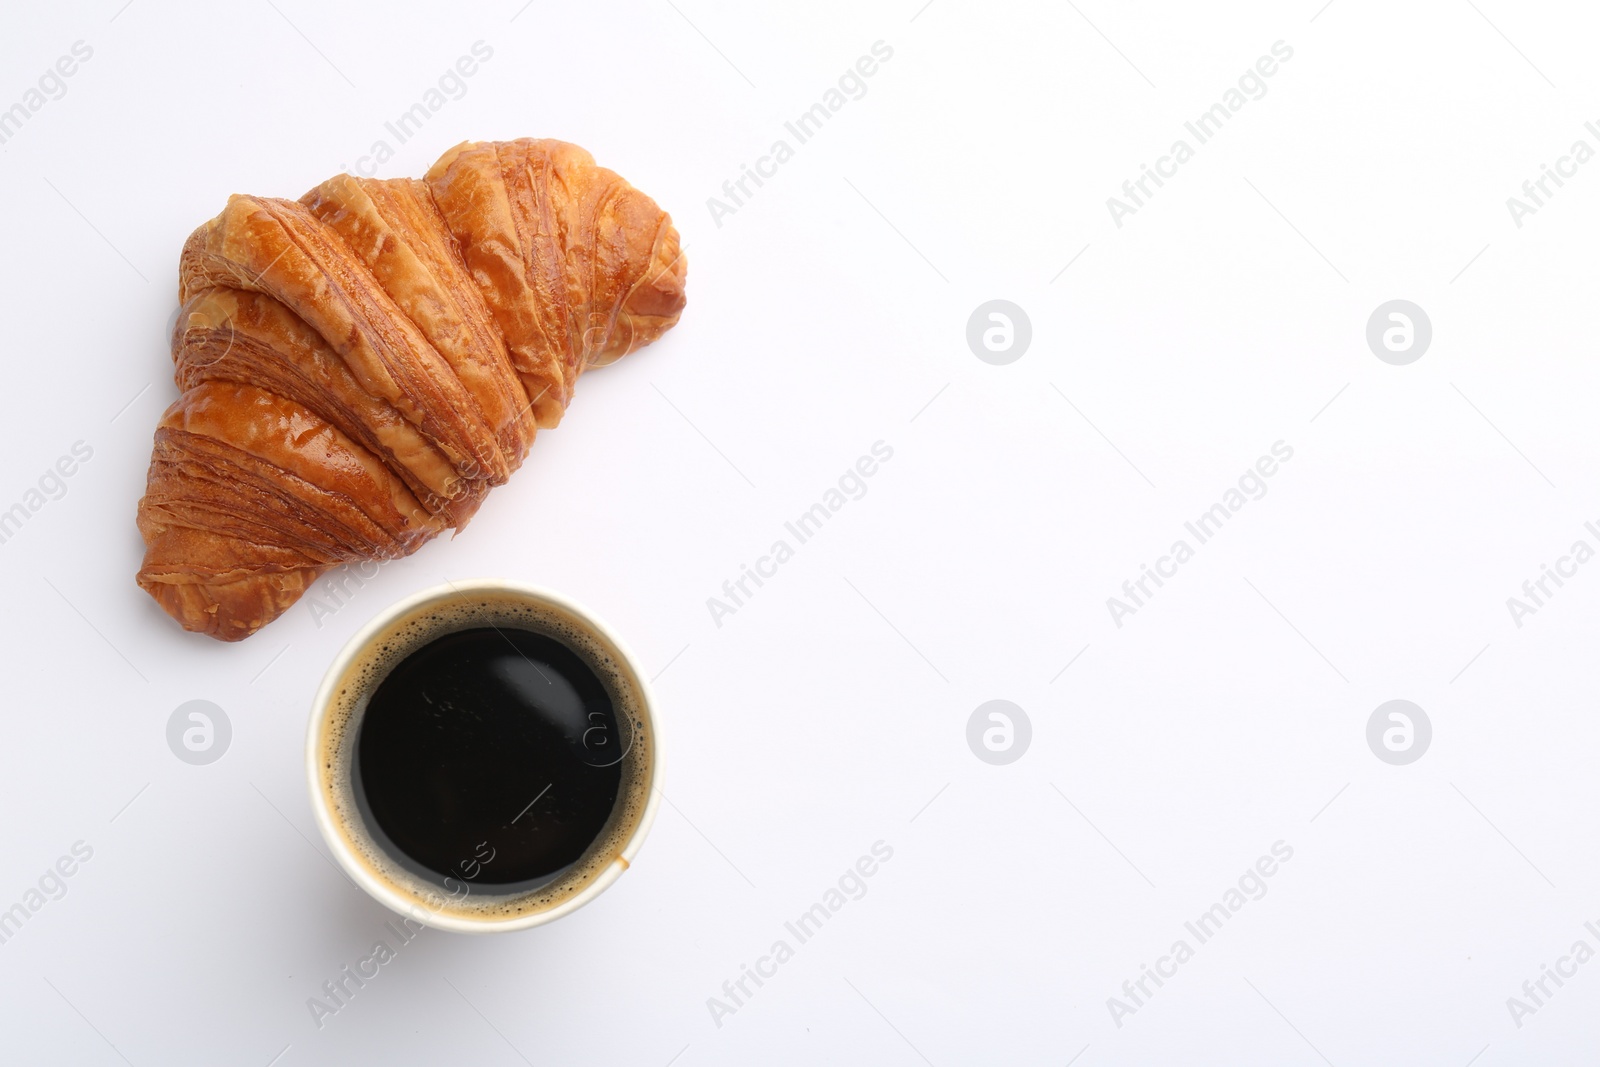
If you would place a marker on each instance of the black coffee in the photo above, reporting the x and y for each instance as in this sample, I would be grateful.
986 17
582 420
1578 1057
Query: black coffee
490 756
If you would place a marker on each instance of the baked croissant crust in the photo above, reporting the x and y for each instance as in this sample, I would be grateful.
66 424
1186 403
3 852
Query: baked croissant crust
359 367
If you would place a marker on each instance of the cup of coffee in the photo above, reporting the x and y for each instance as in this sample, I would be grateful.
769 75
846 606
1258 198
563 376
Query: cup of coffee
482 757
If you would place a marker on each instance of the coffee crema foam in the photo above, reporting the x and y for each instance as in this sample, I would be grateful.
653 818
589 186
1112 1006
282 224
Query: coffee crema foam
341 728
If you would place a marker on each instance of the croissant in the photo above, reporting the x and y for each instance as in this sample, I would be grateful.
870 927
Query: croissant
359 367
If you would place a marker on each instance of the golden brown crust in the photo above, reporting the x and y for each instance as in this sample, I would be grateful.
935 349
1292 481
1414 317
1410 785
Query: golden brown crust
360 367
234 336
395 229
577 265
279 248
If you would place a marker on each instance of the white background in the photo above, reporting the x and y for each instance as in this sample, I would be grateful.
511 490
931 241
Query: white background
830 712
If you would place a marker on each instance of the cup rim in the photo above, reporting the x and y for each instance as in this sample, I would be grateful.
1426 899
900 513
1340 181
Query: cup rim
403 903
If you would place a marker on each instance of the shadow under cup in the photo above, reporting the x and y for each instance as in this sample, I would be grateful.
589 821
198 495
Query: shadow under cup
457 902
